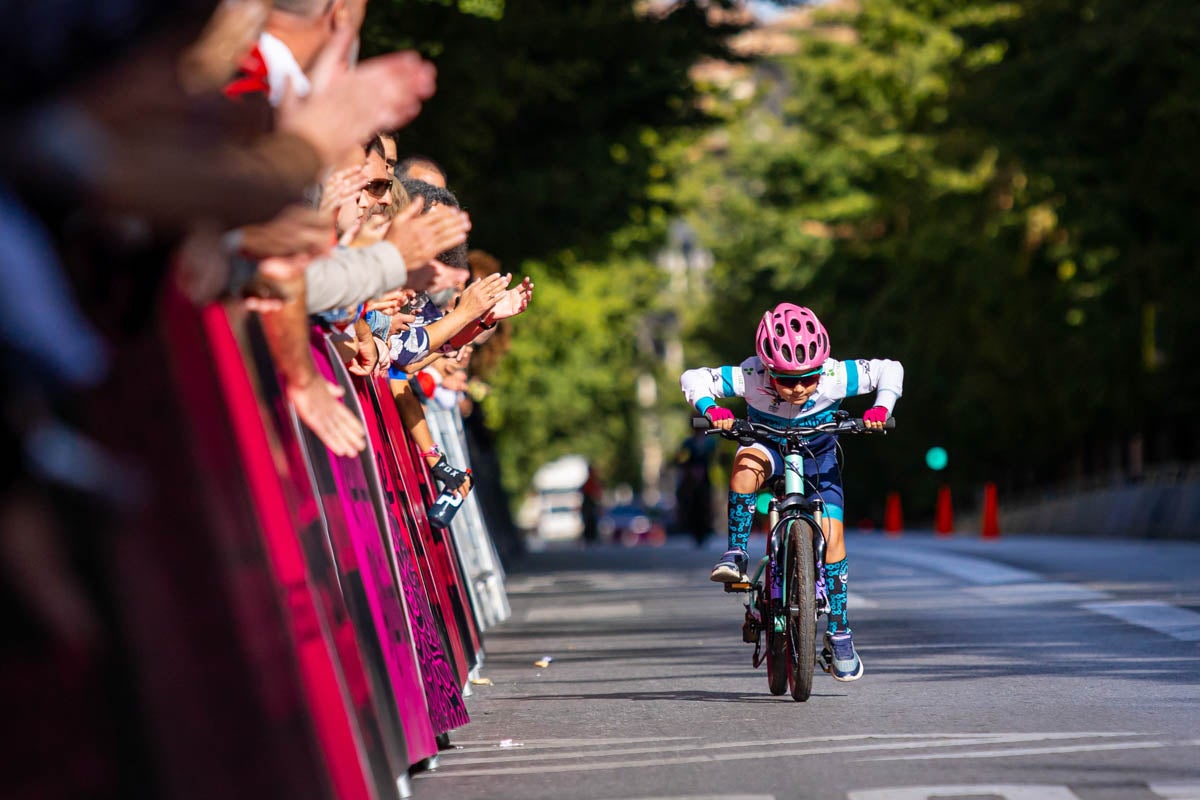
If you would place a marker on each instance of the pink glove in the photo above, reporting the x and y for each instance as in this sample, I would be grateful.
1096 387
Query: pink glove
875 414
716 414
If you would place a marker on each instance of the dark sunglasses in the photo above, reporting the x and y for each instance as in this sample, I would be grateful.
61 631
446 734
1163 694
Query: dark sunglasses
379 187
791 381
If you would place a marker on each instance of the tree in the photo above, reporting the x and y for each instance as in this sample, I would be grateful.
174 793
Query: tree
550 119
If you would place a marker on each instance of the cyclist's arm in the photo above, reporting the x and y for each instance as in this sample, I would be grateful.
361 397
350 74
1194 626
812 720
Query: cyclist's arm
880 375
701 386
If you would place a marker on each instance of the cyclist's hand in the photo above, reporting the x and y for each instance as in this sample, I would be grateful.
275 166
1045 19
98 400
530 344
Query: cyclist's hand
456 480
875 417
720 417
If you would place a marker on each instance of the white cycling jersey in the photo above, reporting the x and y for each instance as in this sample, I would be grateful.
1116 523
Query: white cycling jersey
839 380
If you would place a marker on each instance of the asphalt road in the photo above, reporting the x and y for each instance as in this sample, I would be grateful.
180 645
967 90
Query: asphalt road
1021 669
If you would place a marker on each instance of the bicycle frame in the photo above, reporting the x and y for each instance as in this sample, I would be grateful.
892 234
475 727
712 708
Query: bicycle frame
783 509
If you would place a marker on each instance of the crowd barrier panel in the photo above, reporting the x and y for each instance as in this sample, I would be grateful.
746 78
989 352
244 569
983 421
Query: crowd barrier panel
480 559
442 692
367 585
295 623
216 366
445 557
233 690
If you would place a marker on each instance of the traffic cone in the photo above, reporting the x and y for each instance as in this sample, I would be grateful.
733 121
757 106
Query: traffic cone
893 519
944 520
991 514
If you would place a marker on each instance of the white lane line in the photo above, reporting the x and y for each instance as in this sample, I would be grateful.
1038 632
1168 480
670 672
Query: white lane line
583 613
1177 791
480 746
765 749
1007 791
1034 751
1178 623
973 570
856 600
1037 593
495 757
706 797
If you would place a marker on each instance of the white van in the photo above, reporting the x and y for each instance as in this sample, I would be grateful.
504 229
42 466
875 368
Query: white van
559 499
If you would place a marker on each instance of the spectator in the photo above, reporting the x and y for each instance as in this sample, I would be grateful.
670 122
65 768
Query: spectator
422 168
693 488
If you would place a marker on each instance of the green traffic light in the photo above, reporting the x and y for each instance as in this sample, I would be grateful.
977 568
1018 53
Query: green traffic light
936 458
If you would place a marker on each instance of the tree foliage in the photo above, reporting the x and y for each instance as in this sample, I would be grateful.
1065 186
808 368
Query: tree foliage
550 118
999 194
980 190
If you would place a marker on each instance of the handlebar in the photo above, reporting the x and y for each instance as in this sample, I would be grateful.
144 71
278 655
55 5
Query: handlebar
747 432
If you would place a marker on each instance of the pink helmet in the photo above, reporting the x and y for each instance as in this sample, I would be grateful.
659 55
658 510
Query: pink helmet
790 338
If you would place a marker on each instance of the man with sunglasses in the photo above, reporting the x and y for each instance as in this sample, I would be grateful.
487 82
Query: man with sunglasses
792 382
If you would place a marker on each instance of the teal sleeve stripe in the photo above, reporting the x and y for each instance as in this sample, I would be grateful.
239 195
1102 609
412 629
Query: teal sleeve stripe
727 381
835 512
851 378
704 404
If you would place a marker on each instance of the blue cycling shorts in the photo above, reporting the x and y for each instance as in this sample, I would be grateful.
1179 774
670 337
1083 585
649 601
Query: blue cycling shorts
822 477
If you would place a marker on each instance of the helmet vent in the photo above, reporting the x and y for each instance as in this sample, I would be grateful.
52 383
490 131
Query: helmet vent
795 325
766 344
812 350
778 329
787 352
809 324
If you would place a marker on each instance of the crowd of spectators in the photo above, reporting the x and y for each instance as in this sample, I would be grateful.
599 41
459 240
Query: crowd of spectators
234 152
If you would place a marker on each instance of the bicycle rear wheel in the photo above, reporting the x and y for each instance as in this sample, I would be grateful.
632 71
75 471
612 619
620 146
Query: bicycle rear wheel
801 607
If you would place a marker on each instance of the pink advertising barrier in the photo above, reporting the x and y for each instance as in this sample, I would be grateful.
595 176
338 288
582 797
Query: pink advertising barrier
443 690
349 492
224 408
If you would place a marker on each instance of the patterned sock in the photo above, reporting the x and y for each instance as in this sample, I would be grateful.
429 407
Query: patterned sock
741 519
836 578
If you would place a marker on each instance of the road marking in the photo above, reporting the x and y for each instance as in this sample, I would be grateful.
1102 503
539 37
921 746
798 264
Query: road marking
590 751
706 797
1178 623
856 600
974 570
1037 593
1033 751
584 613
1177 791
1004 791
763 749
480 746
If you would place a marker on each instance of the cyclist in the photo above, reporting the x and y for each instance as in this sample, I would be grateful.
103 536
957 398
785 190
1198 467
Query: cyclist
792 382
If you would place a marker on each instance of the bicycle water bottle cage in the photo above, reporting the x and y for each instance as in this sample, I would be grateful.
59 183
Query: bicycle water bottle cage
795 504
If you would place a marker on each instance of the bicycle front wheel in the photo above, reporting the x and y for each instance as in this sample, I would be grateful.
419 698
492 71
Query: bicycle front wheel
778 665
801 607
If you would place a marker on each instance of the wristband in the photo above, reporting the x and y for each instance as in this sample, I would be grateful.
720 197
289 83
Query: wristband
433 451
488 326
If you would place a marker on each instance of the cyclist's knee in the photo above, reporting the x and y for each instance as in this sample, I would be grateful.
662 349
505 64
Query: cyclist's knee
746 479
750 470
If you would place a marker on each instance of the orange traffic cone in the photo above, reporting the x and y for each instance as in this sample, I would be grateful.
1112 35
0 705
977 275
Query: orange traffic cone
893 518
944 520
991 514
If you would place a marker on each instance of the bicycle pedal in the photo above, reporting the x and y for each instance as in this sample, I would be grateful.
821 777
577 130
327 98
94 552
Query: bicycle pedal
741 586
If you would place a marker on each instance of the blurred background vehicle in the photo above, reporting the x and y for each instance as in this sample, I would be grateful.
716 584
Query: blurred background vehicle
554 510
632 524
